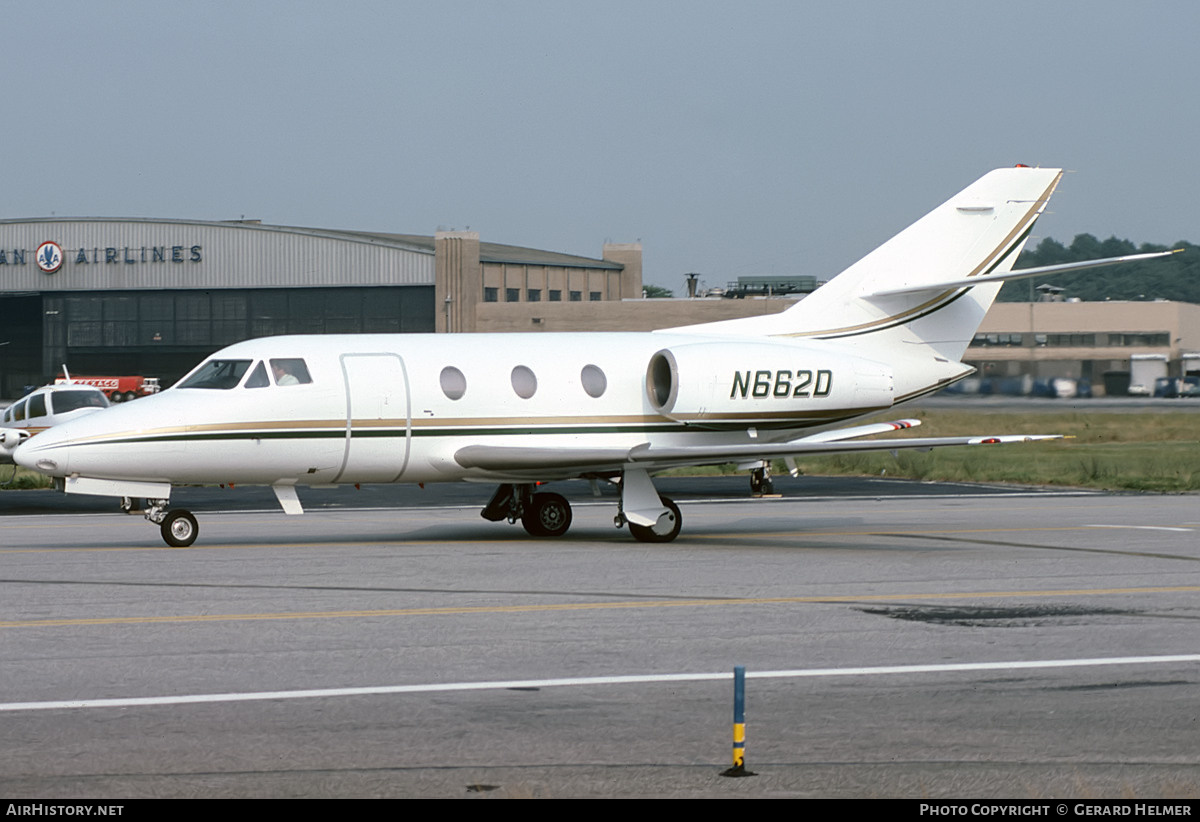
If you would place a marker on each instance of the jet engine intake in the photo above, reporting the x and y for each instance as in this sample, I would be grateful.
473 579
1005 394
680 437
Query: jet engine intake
763 383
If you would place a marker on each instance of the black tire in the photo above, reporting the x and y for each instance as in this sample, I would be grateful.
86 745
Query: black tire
646 533
179 528
547 515
760 482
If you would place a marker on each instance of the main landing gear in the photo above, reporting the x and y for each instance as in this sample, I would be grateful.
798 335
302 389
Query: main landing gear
650 516
178 527
664 530
542 514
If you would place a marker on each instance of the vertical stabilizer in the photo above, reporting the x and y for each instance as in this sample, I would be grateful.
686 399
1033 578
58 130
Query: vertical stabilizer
978 231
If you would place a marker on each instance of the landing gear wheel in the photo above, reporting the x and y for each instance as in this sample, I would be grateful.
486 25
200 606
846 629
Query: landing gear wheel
665 530
760 481
179 528
547 515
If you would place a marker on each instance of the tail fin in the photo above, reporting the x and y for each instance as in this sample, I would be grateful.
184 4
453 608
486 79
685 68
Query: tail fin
978 232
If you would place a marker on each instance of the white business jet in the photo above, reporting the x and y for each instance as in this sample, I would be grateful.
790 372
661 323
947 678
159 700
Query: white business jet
521 409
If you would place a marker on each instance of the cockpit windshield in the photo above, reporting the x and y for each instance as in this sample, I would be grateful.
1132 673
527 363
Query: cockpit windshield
221 374
64 401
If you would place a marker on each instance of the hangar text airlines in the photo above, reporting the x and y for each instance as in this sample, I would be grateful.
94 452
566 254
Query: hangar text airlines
520 409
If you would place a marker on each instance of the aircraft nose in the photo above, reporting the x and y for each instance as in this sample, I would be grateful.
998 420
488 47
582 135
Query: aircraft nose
36 456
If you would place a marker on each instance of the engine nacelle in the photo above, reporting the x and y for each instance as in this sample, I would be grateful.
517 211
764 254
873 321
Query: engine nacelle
766 384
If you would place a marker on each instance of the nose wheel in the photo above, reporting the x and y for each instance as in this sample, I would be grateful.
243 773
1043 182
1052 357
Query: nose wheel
178 527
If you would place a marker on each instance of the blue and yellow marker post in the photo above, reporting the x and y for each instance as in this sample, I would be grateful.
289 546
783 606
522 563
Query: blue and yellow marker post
739 724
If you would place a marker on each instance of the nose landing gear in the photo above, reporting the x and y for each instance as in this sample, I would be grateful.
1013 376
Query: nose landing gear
178 527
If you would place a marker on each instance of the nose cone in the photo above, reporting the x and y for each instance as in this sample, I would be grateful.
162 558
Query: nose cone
45 453
130 441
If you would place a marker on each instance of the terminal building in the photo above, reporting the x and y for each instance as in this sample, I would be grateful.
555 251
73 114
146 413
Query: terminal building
1092 341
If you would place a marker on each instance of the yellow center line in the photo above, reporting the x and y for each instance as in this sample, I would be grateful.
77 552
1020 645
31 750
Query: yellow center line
591 606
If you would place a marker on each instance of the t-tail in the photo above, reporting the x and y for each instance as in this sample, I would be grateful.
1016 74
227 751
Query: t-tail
917 300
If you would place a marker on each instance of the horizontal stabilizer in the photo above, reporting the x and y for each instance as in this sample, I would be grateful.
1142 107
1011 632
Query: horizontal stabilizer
1019 274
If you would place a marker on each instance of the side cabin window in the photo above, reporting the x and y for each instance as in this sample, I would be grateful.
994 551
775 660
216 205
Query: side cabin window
218 374
291 371
37 406
19 411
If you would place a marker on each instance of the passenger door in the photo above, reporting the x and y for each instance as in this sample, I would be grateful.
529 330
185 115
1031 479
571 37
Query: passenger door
378 418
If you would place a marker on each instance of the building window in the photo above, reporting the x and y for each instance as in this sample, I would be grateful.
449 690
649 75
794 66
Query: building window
997 339
1149 339
576 296
533 295
555 295
1071 340
594 296
491 295
512 295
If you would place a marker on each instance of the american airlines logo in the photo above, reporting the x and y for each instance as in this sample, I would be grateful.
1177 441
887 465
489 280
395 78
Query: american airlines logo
49 257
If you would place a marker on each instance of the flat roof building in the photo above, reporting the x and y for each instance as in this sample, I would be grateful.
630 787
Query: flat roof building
1082 340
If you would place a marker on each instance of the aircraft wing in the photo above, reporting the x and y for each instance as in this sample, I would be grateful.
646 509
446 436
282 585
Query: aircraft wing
560 462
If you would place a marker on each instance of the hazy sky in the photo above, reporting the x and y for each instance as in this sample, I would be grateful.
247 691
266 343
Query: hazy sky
729 138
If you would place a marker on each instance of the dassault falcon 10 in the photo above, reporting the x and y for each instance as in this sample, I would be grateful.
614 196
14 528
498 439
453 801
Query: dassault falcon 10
522 409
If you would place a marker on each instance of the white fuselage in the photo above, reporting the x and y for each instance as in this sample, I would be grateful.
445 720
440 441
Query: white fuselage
397 408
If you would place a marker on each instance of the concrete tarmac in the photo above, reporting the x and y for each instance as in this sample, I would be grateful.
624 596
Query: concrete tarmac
417 650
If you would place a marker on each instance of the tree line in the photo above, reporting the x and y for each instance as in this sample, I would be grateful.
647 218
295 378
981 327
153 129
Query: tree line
1173 278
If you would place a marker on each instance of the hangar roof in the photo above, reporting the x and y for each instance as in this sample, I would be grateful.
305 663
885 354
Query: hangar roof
488 252
495 252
